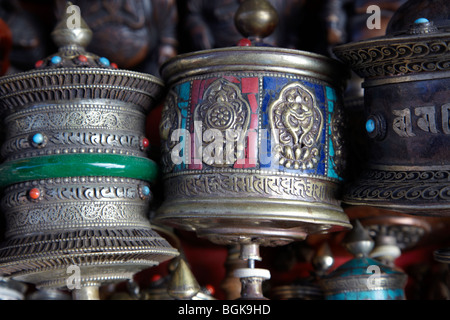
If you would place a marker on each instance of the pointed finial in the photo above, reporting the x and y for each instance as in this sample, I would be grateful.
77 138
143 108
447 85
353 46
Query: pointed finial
323 259
358 241
72 29
183 285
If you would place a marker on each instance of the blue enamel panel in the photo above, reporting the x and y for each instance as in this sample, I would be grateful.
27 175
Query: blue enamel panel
272 86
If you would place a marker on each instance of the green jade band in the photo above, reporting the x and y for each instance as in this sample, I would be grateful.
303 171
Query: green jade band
77 165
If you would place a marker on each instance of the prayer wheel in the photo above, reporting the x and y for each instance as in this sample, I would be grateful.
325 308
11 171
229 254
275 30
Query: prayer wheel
253 149
76 179
406 90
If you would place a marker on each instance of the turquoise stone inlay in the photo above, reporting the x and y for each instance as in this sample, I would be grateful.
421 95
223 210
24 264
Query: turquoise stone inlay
370 125
104 61
38 138
145 190
56 59
421 20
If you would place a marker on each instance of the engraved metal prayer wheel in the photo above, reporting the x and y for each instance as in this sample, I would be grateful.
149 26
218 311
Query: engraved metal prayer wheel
406 96
253 150
76 178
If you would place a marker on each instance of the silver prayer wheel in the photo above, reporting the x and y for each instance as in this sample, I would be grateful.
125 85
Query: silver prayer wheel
253 150
77 181
406 97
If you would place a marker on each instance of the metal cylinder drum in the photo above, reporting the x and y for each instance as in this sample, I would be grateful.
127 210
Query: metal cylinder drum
253 148
75 175
406 81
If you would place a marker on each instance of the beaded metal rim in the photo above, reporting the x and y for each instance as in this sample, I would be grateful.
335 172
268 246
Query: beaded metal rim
38 86
397 56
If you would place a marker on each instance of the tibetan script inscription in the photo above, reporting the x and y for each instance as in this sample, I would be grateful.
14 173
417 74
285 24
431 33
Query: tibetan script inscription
237 185
425 118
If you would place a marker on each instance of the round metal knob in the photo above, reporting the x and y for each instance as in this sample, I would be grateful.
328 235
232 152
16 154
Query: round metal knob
256 19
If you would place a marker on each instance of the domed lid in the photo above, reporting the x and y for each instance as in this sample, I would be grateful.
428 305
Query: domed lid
434 12
417 40
74 74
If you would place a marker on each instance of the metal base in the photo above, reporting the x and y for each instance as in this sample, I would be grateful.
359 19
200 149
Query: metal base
267 222
71 260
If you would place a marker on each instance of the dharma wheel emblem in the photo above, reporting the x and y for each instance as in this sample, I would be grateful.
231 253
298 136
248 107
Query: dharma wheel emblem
299 122
224 109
